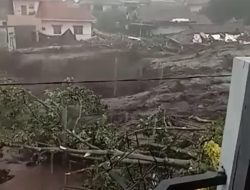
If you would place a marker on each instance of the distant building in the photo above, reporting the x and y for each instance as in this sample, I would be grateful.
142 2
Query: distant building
25 7
73 17
164 18
52 18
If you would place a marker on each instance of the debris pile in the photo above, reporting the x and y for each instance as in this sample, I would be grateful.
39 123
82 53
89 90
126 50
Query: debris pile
242 38
72 121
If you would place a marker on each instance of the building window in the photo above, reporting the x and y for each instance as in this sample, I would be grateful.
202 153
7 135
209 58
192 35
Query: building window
78 29
57 29
24 10
43 28
31 6
32 9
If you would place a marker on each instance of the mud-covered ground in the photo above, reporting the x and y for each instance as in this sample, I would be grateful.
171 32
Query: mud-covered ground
204 97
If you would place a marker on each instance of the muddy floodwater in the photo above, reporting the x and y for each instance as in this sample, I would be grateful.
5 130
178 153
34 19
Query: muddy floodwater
84 66
204 97
34 177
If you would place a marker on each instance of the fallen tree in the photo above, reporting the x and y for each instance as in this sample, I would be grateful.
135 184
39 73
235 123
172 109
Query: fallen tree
71 120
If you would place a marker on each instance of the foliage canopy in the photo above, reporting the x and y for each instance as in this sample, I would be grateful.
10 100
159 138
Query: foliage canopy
223 10
74 120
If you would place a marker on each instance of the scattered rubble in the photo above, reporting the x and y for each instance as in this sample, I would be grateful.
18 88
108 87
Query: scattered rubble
242 38
204 97
182 43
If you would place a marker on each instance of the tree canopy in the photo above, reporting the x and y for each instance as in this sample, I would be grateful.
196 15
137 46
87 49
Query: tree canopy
222 10
72 120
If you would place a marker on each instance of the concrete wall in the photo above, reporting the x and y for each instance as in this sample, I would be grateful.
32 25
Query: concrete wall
47 28
30 11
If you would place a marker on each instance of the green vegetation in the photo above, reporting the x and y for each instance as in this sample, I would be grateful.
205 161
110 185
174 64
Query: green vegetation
113 20
73 120
28 119
223 10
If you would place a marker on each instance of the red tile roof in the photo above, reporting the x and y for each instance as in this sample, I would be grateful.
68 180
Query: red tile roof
58 10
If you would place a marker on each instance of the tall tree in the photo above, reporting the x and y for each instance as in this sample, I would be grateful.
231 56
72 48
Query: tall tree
222 10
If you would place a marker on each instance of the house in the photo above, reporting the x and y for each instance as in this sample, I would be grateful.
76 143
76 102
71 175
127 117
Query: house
51 18
25 22
68 16
25 7
24 13
165 18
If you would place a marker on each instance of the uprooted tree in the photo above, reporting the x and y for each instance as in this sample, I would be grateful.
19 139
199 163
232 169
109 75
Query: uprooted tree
72 120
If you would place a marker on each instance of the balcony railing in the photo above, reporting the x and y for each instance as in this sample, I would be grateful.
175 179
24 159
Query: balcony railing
208 179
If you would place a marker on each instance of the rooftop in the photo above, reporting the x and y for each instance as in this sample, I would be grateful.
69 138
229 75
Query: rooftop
58 10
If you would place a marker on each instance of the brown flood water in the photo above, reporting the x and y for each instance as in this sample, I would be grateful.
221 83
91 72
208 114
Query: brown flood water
35 178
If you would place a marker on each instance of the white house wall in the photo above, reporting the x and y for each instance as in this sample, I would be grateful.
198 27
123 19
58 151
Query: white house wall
47 28
17 6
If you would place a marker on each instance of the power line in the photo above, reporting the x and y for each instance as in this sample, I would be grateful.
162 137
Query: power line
111 81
